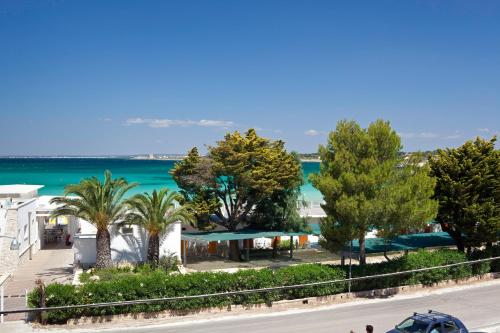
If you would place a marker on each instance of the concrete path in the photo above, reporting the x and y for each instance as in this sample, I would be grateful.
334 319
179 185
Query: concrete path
49 265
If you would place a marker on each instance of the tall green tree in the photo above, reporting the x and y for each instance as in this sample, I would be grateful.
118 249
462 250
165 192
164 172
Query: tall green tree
99 203
366 184
155 212
280 211
196 180
405 200
239 173
468 191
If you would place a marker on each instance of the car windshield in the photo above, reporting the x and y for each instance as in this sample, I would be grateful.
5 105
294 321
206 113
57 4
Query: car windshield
411 325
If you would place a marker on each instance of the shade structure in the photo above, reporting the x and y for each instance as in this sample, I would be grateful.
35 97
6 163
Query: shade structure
405 242
213 236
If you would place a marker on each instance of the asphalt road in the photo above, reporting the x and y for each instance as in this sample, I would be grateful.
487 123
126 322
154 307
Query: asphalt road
478 306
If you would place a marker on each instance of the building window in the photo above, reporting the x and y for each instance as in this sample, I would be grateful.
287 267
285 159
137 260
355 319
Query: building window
127 230
25 232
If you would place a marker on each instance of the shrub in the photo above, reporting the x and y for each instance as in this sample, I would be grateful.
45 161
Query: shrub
169 263
166 265
487 266
284 245
144 282
411 261
159 284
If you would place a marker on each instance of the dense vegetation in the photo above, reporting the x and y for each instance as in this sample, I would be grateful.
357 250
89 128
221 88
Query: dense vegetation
468 191
155 283
98 202
240 174
367 184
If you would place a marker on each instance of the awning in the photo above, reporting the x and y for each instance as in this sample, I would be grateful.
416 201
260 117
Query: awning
405 242
235 235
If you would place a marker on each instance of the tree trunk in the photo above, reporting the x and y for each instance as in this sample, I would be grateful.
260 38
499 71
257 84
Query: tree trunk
362 252
457 236
459 242
153 250
275 247
234 250
103 249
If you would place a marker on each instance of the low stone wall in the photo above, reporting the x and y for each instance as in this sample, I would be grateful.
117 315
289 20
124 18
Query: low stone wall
286 304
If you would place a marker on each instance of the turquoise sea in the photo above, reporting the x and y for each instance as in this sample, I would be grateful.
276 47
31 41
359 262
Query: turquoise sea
55 173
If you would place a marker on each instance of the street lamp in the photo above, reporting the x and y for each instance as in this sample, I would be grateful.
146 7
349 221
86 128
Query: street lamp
14 244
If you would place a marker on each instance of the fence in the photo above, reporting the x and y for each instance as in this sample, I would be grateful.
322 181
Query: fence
241 292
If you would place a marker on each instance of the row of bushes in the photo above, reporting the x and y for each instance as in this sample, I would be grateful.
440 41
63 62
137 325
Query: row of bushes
167 264
416 260
158 284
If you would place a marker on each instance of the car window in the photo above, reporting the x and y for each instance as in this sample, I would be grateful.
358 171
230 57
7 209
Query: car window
436 328
411 325
451 327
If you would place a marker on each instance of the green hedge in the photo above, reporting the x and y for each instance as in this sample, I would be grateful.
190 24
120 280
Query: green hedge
158 283
414 260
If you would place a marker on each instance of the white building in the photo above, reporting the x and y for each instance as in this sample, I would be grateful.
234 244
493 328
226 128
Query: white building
26 227
19 230
128 243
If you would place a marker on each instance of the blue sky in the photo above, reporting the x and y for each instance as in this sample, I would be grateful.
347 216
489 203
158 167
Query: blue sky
126 77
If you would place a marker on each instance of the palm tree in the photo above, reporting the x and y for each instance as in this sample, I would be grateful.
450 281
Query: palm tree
99 203
155 212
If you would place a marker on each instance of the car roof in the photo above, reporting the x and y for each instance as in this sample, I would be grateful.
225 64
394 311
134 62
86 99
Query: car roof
432 316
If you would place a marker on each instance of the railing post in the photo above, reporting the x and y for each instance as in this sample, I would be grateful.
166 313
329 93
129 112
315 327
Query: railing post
1 302
26 304
350 266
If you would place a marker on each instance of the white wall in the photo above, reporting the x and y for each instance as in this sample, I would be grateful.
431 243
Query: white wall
128 247
125 247
19 222
27 232
84 250
170 242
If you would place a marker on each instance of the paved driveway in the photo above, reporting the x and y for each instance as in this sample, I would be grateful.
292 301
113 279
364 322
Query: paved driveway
50 265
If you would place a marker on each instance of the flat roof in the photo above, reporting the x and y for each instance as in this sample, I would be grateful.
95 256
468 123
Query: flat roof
212 236
18 189
44 203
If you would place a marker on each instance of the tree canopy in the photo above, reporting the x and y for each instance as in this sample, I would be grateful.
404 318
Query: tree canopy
99 203
238 174
468 190
367 184
155 212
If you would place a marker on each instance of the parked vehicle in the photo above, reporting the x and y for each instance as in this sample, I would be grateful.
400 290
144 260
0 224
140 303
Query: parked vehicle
431 322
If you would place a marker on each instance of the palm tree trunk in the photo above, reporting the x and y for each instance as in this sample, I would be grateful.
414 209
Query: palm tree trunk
103 249
153 250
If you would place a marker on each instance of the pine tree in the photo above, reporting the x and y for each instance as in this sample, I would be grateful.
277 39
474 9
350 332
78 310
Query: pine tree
468 190
366 184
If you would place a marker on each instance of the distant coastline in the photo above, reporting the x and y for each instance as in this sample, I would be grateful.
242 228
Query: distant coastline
131 157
